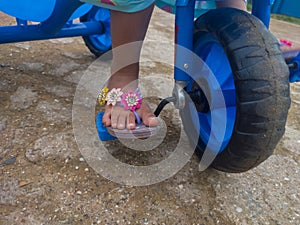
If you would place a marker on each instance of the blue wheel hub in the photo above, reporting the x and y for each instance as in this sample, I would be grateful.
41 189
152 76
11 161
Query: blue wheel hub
214 56
101 42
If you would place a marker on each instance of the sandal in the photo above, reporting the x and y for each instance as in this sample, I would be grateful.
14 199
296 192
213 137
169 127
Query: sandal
130 101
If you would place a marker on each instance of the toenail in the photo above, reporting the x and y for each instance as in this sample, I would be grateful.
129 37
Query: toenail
152 119
121 126
131 125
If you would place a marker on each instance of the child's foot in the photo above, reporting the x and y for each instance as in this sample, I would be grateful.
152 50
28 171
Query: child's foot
118 117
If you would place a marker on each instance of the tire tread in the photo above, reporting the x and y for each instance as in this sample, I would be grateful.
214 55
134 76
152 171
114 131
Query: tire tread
262 86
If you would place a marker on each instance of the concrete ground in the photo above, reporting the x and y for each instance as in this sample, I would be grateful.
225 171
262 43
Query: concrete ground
46 180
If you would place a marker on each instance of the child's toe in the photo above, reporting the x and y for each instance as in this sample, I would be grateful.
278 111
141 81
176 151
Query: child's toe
130 121
121 122
150 120
106 118
114 120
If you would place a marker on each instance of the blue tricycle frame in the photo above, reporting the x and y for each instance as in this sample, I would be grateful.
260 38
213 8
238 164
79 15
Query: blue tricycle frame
57 19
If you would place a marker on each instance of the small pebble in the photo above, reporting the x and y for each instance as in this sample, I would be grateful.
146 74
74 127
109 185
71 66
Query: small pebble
79 192
81 159
8 161
180 186
239 210
86 169
3 124
76 167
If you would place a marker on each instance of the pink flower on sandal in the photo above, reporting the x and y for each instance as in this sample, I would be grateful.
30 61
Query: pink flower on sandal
114 96
131 100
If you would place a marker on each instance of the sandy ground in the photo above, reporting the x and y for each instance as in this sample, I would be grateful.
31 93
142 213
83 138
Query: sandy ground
44 179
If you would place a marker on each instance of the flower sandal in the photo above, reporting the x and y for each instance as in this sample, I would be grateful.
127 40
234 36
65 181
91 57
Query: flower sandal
130 101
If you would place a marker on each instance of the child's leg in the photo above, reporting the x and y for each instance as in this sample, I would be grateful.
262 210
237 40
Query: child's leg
238 4
127 28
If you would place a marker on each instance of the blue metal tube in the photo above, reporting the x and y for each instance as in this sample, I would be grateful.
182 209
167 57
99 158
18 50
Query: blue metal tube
262 10
184 26
10 34
62 12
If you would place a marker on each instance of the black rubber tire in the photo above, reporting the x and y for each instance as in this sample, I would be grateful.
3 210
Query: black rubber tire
262 87
87 40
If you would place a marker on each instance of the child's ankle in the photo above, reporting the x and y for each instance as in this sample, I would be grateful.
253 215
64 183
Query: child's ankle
126 83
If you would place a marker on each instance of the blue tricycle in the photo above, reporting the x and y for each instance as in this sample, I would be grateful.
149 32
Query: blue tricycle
252 74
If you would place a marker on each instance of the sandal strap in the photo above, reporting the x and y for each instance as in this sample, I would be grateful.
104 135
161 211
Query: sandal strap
131 100
137 117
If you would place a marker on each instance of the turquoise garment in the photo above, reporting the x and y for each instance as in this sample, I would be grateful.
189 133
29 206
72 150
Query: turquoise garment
122 5
201 6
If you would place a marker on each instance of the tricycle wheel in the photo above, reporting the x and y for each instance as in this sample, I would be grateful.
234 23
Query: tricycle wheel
252 74
98 44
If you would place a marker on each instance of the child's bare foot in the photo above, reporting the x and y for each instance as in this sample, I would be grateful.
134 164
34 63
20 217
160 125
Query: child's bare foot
118 117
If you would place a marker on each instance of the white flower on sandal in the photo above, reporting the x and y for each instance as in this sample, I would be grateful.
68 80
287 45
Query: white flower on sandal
114 96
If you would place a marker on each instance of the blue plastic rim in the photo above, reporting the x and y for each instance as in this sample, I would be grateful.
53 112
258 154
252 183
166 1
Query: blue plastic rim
101 42
213 54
